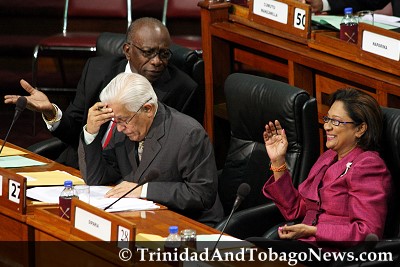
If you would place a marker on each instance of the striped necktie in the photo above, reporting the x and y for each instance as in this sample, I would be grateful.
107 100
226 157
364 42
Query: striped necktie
109 135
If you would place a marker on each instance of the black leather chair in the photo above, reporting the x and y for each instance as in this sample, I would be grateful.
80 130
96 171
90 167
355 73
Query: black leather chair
110 44
252 102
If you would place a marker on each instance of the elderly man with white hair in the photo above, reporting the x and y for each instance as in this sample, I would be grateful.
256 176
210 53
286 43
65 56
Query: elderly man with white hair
150 136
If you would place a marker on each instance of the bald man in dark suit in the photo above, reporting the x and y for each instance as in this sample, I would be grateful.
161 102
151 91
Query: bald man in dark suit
147 53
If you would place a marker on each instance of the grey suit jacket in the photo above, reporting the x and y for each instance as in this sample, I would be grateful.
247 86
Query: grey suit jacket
178 147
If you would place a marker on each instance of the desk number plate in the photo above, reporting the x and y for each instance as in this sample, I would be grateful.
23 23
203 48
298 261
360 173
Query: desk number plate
14 189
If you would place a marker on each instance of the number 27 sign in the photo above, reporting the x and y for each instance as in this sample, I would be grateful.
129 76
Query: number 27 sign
14 189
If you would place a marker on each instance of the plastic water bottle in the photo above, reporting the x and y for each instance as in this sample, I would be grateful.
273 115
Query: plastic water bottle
349 26
172 245
65 199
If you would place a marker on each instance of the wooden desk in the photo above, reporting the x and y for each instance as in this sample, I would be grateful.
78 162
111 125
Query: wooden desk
14 228
50 227
230 41
42 223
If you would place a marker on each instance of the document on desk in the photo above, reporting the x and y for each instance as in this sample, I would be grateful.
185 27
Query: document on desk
8 151
334 21
18 161
50 194
50 178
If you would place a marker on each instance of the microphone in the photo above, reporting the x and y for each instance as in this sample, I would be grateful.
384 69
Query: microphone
20 105
153 174
242 192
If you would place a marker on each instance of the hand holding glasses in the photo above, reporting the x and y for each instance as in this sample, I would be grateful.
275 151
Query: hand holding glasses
127 121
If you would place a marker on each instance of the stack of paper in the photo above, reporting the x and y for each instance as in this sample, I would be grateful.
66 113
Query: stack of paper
50 194
124 204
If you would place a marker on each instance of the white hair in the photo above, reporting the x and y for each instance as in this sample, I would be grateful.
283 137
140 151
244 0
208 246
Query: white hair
131 90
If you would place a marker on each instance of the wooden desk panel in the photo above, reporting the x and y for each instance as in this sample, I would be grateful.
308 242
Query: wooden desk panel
226 40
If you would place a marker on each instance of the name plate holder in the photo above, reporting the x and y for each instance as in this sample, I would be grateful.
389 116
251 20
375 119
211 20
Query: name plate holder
93 224
286 18
12 191
377 48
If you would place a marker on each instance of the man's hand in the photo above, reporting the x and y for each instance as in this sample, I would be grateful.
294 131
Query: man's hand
316 5
120 189
296 231
98 114
36 101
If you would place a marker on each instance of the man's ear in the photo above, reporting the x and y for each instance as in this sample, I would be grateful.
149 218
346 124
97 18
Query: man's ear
127 49
149 109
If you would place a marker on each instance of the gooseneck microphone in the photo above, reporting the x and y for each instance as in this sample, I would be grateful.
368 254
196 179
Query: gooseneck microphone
153 174
20 105
242 192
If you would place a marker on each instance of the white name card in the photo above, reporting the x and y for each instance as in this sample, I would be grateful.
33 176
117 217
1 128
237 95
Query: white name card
381 45
92 224
14 188
272 10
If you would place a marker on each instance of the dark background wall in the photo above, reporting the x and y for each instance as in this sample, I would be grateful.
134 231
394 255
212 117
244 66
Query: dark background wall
23 23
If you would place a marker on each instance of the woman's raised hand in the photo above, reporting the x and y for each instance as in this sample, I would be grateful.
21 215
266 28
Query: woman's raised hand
275 142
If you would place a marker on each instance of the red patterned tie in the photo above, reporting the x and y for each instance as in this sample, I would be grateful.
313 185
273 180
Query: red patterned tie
109 134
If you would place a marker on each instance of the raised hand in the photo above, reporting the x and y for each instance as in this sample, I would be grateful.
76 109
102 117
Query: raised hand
275 142
36 101
98 114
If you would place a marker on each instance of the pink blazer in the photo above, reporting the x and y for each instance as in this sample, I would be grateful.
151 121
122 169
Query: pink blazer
344 205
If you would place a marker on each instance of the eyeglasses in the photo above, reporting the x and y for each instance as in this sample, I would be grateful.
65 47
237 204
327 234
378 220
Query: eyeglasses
126 122
163 54
335 122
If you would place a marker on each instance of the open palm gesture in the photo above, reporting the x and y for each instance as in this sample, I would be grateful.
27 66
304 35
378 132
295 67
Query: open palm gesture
275 142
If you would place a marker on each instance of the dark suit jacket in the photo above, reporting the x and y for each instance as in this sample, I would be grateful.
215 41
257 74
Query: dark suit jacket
175 88
337 7
352 203
178 147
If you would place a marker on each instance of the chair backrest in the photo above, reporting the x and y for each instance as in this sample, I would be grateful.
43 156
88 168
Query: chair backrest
180 9
391 155
252 102
97 8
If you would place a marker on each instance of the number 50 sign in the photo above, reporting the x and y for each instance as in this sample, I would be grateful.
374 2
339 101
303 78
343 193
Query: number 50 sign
299 18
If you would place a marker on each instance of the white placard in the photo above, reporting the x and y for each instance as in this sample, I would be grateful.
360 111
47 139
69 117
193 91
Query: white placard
14 189
123 236
272 10
299 20
1 185
92 224
381 45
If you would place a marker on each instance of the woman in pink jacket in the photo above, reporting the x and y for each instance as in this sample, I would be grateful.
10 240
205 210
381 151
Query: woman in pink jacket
345 195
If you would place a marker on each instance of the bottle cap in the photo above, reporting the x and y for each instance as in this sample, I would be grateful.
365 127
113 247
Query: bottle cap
173 229
348 10
67 183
